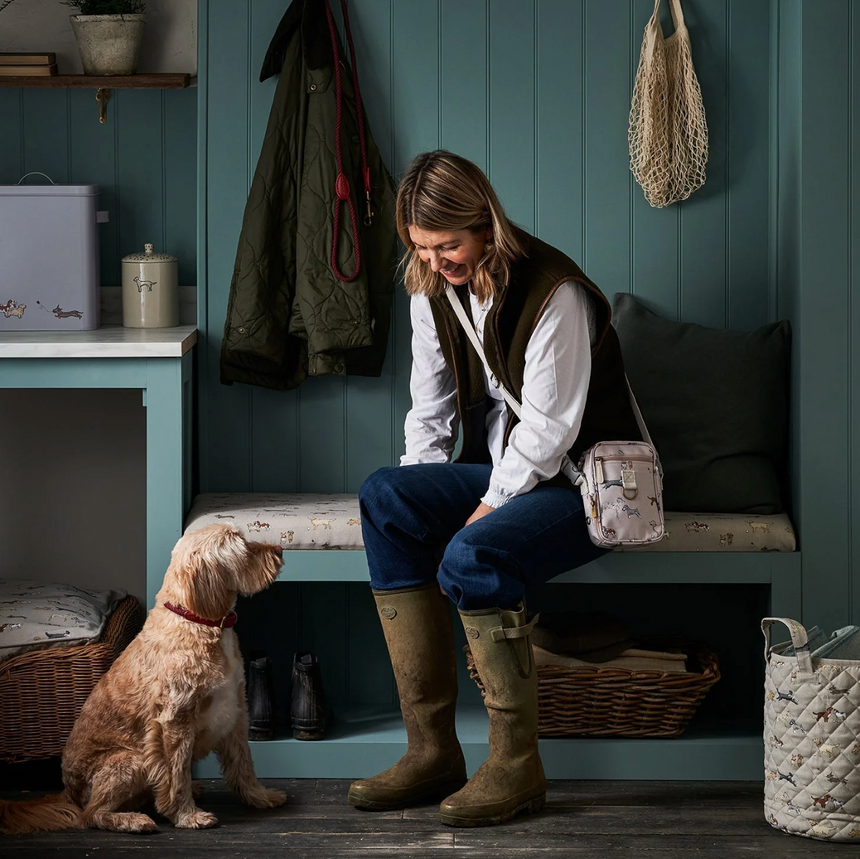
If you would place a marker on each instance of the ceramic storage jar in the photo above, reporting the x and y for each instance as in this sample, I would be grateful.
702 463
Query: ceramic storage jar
150 290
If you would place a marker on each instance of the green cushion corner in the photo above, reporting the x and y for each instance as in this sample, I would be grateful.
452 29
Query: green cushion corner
716 405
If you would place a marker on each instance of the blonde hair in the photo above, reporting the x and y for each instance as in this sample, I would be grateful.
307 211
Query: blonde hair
443 192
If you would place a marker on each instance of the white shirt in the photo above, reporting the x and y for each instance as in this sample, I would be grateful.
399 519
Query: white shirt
555 385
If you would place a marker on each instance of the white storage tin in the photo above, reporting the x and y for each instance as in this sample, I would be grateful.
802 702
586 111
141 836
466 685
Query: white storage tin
49 258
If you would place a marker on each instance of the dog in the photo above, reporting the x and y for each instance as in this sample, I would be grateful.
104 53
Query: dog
174 695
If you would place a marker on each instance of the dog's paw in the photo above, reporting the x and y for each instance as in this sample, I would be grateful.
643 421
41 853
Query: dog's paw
198 789
134 822
265 797
197 820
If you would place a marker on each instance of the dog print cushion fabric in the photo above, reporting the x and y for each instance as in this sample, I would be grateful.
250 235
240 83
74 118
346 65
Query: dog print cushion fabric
316 521
301 521
722 532
716 404
811 741
35 616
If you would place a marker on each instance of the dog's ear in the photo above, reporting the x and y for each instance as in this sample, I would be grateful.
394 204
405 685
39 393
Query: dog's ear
203 569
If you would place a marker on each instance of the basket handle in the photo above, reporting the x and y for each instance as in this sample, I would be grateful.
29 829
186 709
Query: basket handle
677 15
799 638
35 173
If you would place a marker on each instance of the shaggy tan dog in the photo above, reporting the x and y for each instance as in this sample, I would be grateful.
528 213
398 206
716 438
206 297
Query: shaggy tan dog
173 696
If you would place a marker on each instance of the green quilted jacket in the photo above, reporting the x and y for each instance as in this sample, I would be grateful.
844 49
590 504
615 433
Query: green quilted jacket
288 315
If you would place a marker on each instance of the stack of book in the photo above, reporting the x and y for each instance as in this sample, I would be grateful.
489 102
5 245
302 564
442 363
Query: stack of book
28 65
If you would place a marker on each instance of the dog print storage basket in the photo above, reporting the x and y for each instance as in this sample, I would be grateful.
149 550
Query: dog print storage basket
811 739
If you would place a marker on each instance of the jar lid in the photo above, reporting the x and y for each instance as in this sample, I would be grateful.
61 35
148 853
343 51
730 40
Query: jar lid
149 256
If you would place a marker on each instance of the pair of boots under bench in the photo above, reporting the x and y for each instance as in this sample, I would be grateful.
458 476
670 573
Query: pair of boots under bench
310 714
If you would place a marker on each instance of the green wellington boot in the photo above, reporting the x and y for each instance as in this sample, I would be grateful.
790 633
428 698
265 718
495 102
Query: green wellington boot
420 639
511 781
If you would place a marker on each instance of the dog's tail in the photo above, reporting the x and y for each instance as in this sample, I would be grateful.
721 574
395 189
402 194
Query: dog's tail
46 814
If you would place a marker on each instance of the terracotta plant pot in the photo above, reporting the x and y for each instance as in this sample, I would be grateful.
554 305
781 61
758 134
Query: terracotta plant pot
108 44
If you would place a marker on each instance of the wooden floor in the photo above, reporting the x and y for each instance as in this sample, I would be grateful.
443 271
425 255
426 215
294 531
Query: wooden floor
599 819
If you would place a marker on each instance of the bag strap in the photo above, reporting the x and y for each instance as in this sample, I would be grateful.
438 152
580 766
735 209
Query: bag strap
799 638
675 9
510 399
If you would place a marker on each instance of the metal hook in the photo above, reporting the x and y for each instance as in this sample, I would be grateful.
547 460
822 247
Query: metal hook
368 218
102 97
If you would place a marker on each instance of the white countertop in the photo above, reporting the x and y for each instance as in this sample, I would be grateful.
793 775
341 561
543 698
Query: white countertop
109 341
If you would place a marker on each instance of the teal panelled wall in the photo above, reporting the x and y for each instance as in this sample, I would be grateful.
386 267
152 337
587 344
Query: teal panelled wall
144 160
537 92
816 240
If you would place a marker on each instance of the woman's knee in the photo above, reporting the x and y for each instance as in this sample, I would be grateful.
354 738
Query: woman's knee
376 486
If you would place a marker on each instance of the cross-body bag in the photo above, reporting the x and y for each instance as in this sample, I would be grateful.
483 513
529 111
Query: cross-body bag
621 481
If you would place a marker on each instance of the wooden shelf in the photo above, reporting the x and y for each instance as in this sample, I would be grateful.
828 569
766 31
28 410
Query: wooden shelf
366 738
155 81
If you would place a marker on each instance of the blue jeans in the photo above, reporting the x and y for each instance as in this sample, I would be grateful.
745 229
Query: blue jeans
411 514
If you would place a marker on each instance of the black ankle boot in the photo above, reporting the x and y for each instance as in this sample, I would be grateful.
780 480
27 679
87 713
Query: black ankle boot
310 714
261 698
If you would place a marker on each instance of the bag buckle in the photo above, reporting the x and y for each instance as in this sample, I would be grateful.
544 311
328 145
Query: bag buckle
628 484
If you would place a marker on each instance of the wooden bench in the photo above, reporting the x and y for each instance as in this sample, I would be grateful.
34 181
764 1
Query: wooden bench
321 536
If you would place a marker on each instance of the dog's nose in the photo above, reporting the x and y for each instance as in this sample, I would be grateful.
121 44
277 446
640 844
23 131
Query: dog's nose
279 550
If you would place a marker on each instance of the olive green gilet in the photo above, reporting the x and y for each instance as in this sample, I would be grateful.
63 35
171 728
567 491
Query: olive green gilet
516 310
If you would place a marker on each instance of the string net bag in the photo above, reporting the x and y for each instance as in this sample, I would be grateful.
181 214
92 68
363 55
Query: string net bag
668 134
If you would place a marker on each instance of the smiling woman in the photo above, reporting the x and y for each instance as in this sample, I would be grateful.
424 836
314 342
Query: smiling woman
501 516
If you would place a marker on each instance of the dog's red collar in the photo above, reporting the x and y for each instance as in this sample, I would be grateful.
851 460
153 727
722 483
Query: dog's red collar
225 622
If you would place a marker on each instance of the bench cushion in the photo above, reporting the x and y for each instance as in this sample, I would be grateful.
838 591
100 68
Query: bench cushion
294 521
723 532
316 521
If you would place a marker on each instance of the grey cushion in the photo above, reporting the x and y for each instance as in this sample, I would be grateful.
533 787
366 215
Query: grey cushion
35 616
716 404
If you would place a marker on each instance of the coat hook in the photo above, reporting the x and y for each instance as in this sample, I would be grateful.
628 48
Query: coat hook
102 97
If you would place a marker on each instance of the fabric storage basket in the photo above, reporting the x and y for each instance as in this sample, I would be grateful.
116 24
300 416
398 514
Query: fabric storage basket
42 692
811 740
49 258
619 702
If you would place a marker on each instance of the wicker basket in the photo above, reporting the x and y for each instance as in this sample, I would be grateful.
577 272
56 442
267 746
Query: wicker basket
617 702
42 692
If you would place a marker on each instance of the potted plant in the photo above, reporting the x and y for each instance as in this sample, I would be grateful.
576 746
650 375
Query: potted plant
108 34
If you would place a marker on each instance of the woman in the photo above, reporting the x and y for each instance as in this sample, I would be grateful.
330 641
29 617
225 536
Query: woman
499 518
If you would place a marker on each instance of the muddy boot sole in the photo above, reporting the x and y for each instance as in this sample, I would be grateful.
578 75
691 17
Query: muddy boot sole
531 806
433 794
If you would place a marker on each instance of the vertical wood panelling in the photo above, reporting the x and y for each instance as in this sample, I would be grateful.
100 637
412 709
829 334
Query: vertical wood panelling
180 181
275 451
512 125
559 162
11 140
748 116
656 232
139 118
94 153
463 79
46 133
824 309
369 402
226 461
854 304
704 227
415 114
608 183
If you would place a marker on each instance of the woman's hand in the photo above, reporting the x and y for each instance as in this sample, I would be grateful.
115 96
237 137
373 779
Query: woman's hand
480 512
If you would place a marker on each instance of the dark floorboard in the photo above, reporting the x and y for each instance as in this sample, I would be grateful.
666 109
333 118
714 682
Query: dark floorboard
658 820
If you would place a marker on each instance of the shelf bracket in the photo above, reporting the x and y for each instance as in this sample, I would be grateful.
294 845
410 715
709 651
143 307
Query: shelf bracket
102 97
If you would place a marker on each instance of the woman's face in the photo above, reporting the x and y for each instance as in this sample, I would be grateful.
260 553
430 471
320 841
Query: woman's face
454 254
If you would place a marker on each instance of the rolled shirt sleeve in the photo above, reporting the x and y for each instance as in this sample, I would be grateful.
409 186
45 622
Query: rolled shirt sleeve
432 424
